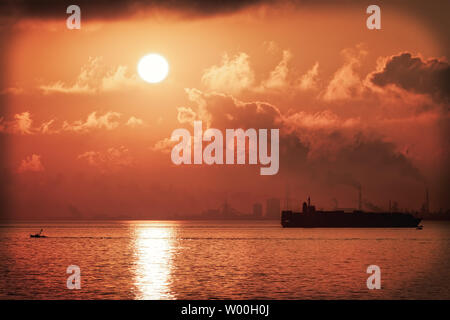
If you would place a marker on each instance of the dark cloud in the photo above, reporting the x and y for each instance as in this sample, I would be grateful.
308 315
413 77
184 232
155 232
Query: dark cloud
381 156
431 77
433 14
224 111
414 74
314 147
365 161
110 9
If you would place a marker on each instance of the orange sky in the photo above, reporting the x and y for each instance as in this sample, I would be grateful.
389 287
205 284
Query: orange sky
85 135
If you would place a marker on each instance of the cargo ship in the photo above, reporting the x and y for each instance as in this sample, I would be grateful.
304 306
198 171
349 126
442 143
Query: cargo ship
310 218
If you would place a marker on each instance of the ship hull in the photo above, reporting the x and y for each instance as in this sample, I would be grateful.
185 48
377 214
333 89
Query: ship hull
319 219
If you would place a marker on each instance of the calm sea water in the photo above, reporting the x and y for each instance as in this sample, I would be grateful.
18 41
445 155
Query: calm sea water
221 260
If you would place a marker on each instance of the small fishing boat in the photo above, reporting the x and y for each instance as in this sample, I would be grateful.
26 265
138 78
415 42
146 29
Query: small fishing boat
38 235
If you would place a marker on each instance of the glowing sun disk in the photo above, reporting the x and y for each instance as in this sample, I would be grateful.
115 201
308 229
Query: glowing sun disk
153 68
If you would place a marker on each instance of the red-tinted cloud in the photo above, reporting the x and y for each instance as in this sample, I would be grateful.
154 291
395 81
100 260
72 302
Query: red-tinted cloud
415 74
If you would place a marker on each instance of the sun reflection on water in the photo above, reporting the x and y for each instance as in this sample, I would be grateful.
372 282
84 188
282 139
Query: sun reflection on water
153 249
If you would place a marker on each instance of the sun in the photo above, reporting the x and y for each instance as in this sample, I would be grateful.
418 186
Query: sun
153 68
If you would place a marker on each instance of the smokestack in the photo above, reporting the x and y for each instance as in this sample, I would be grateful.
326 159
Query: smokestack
359 199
